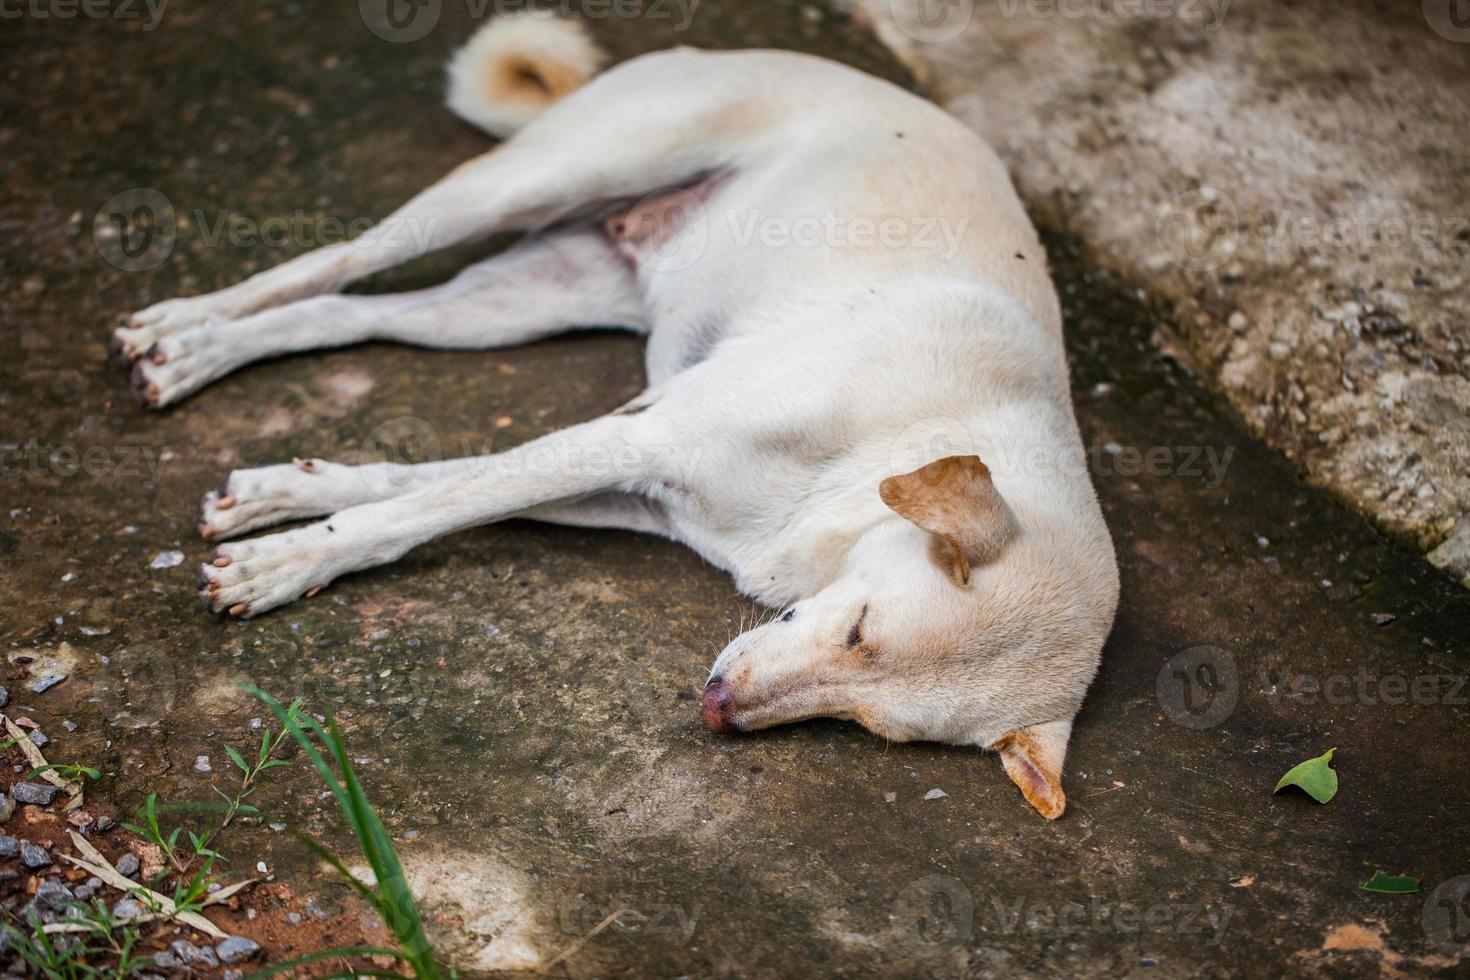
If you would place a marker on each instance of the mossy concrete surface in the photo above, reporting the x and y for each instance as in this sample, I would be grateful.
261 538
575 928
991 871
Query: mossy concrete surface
522 700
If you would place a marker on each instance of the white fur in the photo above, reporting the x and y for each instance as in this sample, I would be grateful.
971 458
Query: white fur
788 374
536 38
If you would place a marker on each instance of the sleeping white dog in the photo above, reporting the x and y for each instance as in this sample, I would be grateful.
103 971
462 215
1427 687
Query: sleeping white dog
866 421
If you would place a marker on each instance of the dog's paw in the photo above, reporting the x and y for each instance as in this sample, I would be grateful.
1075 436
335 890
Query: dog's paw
246 578
142 330
177 366
247 500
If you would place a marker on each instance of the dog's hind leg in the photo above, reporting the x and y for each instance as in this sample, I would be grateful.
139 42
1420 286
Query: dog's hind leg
612 453
598 145
545 285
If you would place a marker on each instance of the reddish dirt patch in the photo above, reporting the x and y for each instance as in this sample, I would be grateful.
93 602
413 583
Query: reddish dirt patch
285 924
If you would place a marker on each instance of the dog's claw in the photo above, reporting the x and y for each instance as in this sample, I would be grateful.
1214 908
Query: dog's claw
145 390
305 465
239 609
223 561
314 590
225 502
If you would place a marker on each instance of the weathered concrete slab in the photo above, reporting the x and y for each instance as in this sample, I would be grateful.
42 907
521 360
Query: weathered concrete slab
1287 179
522 698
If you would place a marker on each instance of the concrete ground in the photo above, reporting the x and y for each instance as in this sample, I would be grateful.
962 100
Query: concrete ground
523 699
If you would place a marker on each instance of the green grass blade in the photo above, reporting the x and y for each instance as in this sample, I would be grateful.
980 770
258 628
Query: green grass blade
396 900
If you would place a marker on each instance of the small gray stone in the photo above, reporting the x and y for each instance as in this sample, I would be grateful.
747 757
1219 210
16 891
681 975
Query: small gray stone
103 824
128 865
1383 619
39 740
38 794
167 559
34 855
233 975
194 955
53 893
4 697
127 908
237 949
167 961
69 725
9 846
46 682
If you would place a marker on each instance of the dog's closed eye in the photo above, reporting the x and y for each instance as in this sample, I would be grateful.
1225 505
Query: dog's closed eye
790 615
855 635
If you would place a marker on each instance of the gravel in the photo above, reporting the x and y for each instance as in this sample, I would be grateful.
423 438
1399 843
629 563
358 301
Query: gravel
194 955
167 559
128 865
46 682
34 856
53 893
237 949
37 794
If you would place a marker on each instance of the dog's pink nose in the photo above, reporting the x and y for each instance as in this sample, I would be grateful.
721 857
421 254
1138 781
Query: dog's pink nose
717 707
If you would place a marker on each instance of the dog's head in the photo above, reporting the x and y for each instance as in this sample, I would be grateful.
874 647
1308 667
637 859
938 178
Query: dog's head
952 621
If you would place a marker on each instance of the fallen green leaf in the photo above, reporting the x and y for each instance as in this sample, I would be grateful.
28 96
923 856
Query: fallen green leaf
1391 884
1316 778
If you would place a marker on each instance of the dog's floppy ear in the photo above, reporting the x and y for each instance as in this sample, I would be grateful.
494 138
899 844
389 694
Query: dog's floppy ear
955 500
1033 759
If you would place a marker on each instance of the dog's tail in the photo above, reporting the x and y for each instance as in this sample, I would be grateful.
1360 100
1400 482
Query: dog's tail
516 66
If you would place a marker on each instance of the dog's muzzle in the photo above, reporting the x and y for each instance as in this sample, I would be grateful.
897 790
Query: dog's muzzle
716 710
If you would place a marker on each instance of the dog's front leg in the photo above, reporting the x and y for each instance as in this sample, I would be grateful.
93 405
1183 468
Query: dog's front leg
611 453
